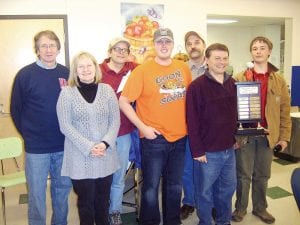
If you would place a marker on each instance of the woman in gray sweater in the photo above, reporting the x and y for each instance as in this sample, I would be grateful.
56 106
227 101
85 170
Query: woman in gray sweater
89 117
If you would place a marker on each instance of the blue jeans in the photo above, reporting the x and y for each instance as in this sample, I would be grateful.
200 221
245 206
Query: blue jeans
215 183
37 168
188 178
166 159
118 183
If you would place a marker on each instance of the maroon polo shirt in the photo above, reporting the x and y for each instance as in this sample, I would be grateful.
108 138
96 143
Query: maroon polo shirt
114 79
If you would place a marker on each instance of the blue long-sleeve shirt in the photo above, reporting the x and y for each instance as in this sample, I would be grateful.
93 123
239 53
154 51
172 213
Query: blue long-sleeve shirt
33 107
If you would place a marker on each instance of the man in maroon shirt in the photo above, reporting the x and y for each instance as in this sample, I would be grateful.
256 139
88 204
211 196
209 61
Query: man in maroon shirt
211 118
115 71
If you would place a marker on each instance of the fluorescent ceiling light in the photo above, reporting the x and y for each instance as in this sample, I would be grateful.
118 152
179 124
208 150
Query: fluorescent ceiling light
220 21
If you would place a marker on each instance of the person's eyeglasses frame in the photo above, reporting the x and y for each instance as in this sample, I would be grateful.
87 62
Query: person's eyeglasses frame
45 46
121 50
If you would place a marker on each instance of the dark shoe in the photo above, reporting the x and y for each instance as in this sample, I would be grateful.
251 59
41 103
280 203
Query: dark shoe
115 218
185 211
214 214
238 216
264 216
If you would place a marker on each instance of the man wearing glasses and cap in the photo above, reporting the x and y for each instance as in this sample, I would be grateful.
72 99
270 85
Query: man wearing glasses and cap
115 70
159 89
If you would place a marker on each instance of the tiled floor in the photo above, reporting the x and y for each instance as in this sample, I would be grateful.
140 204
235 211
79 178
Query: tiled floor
281 202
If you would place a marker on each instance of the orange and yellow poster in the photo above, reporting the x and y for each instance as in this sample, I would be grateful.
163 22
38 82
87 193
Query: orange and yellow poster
141 21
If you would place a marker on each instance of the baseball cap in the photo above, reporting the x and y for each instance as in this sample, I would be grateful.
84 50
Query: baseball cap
117 40
190 33
163 33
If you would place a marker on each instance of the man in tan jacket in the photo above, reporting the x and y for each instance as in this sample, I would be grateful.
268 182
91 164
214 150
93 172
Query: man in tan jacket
255 157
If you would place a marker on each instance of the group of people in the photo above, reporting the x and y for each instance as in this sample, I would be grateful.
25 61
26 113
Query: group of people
77 127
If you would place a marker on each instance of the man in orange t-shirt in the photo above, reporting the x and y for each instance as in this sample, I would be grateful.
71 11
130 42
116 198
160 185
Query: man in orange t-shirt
159 89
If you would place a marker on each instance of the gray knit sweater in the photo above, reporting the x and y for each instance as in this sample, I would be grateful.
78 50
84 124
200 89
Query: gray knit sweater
84 125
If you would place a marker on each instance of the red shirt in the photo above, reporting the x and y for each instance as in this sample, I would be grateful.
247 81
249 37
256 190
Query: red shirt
114 79
263 78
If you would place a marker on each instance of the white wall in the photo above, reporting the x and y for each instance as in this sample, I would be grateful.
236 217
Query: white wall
238 39
93 23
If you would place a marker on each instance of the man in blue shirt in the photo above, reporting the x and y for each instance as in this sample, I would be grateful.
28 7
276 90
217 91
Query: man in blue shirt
33 109
195 48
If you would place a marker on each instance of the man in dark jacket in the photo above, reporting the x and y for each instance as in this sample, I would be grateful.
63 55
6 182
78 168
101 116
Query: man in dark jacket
211 118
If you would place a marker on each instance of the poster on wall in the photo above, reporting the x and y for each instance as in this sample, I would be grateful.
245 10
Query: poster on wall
140 23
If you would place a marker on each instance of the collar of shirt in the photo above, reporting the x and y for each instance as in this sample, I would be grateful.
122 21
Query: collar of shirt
263 77
40 64
226 76
196 66
106 70
197 70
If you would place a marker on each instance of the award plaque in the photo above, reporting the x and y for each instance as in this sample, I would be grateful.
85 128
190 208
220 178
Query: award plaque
249 107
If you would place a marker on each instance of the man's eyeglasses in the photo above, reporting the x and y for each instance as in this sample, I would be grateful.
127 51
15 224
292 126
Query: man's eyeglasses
121 50
51 46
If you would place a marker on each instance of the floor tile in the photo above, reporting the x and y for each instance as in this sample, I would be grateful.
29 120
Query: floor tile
277 192
23 199
129 218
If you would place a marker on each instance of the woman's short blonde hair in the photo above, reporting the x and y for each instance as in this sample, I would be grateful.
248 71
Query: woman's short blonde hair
73 77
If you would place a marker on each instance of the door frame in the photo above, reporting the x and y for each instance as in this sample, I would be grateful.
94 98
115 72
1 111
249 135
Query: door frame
41 17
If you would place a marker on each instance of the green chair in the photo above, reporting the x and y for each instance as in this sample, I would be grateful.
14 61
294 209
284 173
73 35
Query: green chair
10 148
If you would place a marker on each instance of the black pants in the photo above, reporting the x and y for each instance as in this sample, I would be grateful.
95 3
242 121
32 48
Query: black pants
93 200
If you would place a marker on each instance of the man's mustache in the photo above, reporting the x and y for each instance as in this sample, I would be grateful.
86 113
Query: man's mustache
195 50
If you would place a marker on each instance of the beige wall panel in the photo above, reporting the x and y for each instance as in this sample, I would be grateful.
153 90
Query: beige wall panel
7 129
16 47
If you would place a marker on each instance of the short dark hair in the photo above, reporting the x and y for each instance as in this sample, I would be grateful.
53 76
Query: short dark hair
47 33
261 39
215 46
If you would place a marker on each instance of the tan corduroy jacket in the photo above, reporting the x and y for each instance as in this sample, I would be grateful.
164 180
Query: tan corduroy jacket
277 107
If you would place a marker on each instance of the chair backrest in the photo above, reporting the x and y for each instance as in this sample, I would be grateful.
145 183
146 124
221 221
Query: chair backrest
295 182
10 147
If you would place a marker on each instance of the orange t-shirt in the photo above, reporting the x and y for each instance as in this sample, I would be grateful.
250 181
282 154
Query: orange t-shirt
159 92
